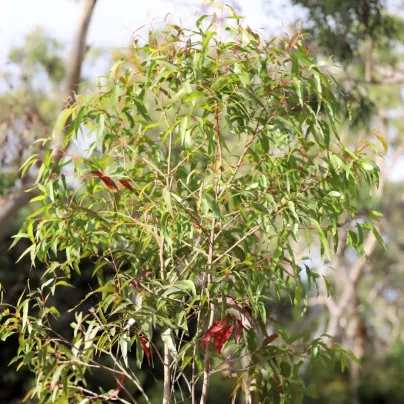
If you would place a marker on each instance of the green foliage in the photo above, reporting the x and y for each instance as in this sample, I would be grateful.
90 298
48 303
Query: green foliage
30 105
213 152
39 52
364 37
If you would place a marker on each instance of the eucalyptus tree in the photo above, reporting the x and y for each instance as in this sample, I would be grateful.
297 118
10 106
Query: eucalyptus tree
213 153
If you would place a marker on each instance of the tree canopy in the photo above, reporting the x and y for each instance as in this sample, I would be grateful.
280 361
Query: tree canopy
213 153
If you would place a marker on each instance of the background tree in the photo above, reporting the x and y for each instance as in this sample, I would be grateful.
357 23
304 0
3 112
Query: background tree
44 58
364 311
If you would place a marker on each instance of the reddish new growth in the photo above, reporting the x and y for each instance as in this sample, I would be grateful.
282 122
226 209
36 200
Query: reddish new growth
146 349
126 184
221 333
106 180
118 386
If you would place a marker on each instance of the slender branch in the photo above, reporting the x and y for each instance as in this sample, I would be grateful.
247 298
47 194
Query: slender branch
206 365
217 167
78 50
193 378
132 377
167 356
99 396
253 230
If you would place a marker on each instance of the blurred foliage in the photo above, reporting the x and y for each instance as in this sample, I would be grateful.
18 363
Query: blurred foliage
29 105
366 38
382 380
39 53
342 27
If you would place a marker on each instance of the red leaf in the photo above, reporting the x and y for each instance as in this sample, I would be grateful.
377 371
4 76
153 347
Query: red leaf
97 173
238 331
126 185
222 338
269 339
146 349
106 180
121 378
216 327
119 385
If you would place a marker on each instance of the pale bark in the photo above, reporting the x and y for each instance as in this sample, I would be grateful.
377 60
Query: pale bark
167 356
206 364
78 50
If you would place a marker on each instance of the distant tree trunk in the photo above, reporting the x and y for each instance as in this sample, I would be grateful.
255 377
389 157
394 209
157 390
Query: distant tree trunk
78 51
347 320
17 199
356 340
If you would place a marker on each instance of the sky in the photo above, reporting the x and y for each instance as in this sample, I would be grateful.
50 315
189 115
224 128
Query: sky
115 21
